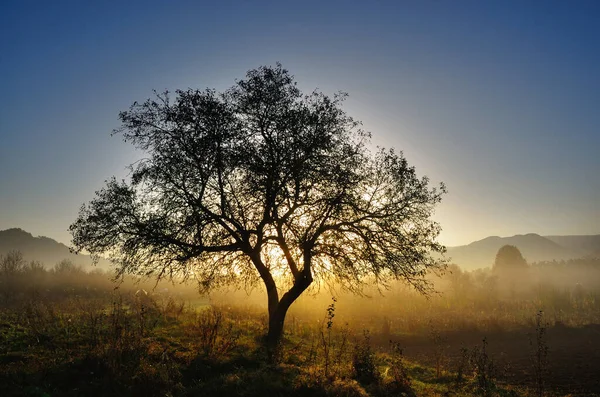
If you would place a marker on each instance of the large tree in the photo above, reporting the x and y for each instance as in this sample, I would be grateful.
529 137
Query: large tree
262 183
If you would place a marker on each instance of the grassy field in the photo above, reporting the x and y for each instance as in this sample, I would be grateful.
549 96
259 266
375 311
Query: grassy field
138 347
64 332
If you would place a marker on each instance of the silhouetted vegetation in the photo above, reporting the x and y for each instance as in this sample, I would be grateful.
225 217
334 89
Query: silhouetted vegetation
511 270
262 183
509 258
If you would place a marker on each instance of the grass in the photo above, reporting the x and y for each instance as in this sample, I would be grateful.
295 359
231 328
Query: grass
135 348
65 332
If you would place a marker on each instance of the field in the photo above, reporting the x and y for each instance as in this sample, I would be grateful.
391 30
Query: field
65 332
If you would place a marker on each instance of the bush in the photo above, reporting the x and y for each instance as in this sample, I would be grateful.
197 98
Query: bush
363 361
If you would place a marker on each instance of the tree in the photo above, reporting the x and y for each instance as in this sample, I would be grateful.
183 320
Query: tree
511 269
262 183
11 269
509 258
12 263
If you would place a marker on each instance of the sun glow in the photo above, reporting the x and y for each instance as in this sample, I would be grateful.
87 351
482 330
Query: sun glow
274 258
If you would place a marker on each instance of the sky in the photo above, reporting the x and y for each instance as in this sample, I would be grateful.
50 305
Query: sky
497 99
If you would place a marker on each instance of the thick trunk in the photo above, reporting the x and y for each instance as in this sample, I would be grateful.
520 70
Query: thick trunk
277 315
272 296
276 321
278 307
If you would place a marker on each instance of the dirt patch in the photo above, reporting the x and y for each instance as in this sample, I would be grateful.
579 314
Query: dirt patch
573 355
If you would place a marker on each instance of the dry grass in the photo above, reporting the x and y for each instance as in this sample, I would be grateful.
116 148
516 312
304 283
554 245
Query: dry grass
69 333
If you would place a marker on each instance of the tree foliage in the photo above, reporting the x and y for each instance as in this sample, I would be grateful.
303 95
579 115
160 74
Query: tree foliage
262 183
511 270
509 257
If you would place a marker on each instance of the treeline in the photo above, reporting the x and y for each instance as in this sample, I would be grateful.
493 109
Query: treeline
567 291
573 273
22 281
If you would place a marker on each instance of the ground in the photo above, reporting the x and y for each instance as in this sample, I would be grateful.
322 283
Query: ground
149 347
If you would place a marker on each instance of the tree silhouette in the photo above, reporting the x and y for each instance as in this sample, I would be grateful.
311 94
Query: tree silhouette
262 183
509 258
511 270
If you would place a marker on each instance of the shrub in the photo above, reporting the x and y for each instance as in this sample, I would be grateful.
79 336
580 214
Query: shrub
363 360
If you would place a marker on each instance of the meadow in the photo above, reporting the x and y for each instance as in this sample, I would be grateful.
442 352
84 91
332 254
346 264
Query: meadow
68 332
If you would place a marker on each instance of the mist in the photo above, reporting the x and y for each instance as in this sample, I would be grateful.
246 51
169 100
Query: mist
501 310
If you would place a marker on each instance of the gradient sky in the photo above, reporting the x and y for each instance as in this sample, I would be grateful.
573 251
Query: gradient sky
498 99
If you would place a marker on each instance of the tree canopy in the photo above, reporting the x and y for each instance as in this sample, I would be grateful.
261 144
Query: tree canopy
262 183
509 257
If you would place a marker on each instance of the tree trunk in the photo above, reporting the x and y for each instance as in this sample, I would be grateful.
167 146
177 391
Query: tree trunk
278 312
276 321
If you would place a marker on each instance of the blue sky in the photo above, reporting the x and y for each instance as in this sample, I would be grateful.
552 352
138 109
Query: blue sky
498 99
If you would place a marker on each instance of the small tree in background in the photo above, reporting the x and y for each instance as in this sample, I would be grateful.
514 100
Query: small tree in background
511 269
262 183
509 258
11 267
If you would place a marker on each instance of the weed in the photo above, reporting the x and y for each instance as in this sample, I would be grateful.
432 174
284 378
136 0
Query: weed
342 350
363 360
484 368
214 337
326 337
539 356
462 367
401 380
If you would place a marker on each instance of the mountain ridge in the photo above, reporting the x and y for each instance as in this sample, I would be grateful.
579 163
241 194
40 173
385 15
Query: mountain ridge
44 249
477 254
534 247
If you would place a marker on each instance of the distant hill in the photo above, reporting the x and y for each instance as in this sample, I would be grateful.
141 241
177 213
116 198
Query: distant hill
587 244
478 254
43 249
534 248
